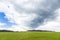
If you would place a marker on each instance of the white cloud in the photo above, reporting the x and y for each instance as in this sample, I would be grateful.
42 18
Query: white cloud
17 28
1 24
22 19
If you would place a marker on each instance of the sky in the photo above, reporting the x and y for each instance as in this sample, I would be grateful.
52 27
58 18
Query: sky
23 15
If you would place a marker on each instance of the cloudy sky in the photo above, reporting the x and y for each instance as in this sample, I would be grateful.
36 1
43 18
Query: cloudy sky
23 15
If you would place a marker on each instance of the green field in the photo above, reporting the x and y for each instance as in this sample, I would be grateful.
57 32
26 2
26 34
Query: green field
29 36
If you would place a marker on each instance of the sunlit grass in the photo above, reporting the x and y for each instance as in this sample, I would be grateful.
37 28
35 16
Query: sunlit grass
29 36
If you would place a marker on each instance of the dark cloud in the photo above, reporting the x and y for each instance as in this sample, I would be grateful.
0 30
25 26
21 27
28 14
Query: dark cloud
44 11
44 15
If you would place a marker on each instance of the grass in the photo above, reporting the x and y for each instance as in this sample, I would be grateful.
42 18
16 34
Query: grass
29 36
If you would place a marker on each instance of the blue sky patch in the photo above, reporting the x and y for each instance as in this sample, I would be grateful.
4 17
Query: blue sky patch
5 20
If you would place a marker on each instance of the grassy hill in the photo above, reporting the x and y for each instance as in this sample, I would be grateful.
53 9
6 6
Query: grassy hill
29 36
